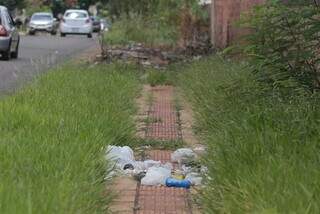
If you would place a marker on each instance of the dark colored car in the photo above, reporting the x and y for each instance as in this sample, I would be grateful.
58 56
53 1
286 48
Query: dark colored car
96 23
9 35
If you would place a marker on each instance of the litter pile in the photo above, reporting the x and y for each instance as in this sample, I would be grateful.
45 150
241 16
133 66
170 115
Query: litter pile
153 173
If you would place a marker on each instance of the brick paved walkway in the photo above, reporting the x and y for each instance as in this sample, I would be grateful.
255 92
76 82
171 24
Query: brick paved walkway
163 120
163 125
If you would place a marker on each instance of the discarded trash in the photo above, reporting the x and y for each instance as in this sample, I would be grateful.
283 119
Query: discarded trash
178 174
128 166
144 165
200 150
139 176
194 178
171 182
183 155
154 173
156 176
122 156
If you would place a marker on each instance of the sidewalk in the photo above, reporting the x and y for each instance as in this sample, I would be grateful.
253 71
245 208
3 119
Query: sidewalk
162 123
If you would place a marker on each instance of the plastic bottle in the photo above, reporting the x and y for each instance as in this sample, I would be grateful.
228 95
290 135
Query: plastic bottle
171 182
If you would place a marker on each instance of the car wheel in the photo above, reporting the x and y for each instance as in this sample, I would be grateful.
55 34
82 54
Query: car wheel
15 54
53 33
6 55
62 34
89 35
32 33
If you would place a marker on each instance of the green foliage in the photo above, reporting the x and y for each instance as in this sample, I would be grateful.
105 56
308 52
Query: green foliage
263 144
153 22
159 77
11 4
40 8
284 47
53 136
135 28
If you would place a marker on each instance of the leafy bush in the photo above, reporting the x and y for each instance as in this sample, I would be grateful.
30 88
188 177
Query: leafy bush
53 137
284 45
154 23
136 28
263 145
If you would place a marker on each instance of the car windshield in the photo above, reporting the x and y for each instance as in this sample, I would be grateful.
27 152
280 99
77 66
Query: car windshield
75 15
41 17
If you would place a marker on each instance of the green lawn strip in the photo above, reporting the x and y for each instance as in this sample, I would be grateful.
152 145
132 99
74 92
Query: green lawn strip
53 136
263 144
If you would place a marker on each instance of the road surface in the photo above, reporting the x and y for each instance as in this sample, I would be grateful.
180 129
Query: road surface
38 54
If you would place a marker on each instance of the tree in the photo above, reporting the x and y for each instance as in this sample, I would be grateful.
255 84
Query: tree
12 4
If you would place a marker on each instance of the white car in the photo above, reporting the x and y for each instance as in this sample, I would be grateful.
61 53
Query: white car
42 22
76 22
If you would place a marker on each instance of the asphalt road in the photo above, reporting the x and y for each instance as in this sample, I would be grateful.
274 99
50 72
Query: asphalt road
38 54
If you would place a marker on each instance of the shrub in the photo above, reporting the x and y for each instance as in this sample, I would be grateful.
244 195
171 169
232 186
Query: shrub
284 45
135 28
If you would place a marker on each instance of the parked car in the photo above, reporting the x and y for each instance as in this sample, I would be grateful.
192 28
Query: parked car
9 35
42 22
105 25
96 23
76 22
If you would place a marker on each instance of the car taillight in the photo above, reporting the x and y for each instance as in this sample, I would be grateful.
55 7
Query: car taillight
3 31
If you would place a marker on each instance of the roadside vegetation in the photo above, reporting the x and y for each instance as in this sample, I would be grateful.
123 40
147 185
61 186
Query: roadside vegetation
260 117
159 23
53 137
263 143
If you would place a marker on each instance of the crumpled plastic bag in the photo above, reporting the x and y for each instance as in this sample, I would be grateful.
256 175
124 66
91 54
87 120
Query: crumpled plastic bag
145 165
194 178
121 156
157 175
183 155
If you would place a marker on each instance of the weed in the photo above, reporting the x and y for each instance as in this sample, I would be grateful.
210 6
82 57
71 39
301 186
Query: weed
159 144
263 143
136 29
156 77
53 136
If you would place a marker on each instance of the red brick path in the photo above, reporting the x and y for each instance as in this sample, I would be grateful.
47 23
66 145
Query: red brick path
163 125
163 120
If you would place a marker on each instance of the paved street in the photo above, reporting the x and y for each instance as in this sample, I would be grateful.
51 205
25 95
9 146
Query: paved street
37 54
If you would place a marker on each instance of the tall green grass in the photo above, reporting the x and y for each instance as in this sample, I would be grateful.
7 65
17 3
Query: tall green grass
53 136
264 144
138 29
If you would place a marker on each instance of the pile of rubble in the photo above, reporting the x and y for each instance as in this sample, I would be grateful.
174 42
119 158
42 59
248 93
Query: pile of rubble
137 53
154 57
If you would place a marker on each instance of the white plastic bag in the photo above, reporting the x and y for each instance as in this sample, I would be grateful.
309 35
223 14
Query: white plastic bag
194 178
183 155
156 176
121 156
145 165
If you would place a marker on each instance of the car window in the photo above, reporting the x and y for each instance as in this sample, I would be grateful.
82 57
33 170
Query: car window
41 17
76 15
9 19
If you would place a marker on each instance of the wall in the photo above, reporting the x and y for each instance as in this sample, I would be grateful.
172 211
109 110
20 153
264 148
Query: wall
223 15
